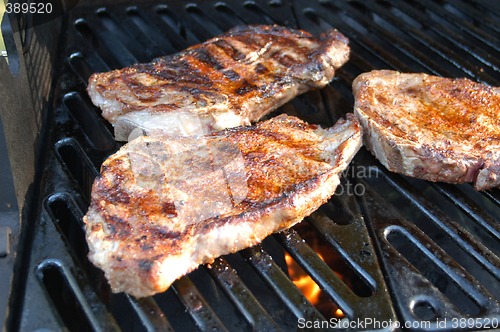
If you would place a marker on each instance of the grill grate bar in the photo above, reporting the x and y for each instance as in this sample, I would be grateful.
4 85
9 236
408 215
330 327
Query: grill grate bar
325 227
317 269
356 34
420 250
472 13
223 12
281 284
486 33
203 23
486 7
443 30
147 27
106 45
493 195
141 39
409 48
150 314
198 308
85 65
376 50
172 26
383 220
91 123
441 288
358 255
227 278
263 13
470 208
398 46
71 301
68 218
440 48
116 25
456 232
78 165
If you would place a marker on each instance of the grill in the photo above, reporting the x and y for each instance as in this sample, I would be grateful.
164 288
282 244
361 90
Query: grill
425 255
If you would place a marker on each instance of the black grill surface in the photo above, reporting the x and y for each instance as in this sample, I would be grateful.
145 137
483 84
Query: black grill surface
405 250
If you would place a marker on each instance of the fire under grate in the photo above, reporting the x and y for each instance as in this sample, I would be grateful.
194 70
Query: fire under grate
397 249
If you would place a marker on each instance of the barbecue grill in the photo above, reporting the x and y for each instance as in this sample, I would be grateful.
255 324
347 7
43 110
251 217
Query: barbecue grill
407 254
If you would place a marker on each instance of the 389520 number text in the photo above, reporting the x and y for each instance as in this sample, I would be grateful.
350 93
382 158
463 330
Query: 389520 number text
31 8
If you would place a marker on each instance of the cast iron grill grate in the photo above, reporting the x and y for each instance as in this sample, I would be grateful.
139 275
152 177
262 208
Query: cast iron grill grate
413 251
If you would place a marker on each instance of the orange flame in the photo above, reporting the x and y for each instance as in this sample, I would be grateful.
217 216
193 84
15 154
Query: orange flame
306 284
303 281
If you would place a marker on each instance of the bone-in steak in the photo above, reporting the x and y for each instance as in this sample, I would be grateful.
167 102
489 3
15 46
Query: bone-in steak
227 81
164 205
429 127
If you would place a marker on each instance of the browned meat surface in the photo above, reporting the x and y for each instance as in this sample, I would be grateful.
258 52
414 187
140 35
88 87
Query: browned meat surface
164 205
227 81
433 128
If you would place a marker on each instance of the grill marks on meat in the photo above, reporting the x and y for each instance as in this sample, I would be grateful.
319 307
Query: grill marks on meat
164 205
429 127
227 81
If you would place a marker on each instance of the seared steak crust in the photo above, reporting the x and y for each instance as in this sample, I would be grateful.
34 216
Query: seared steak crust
227 81
429 127
164 205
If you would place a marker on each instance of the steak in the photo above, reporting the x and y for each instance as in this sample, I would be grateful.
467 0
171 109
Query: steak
231 80
429 127
164 205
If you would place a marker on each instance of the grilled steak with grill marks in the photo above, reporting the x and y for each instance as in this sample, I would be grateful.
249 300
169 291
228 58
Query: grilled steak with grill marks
164 205
429 127
227 81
